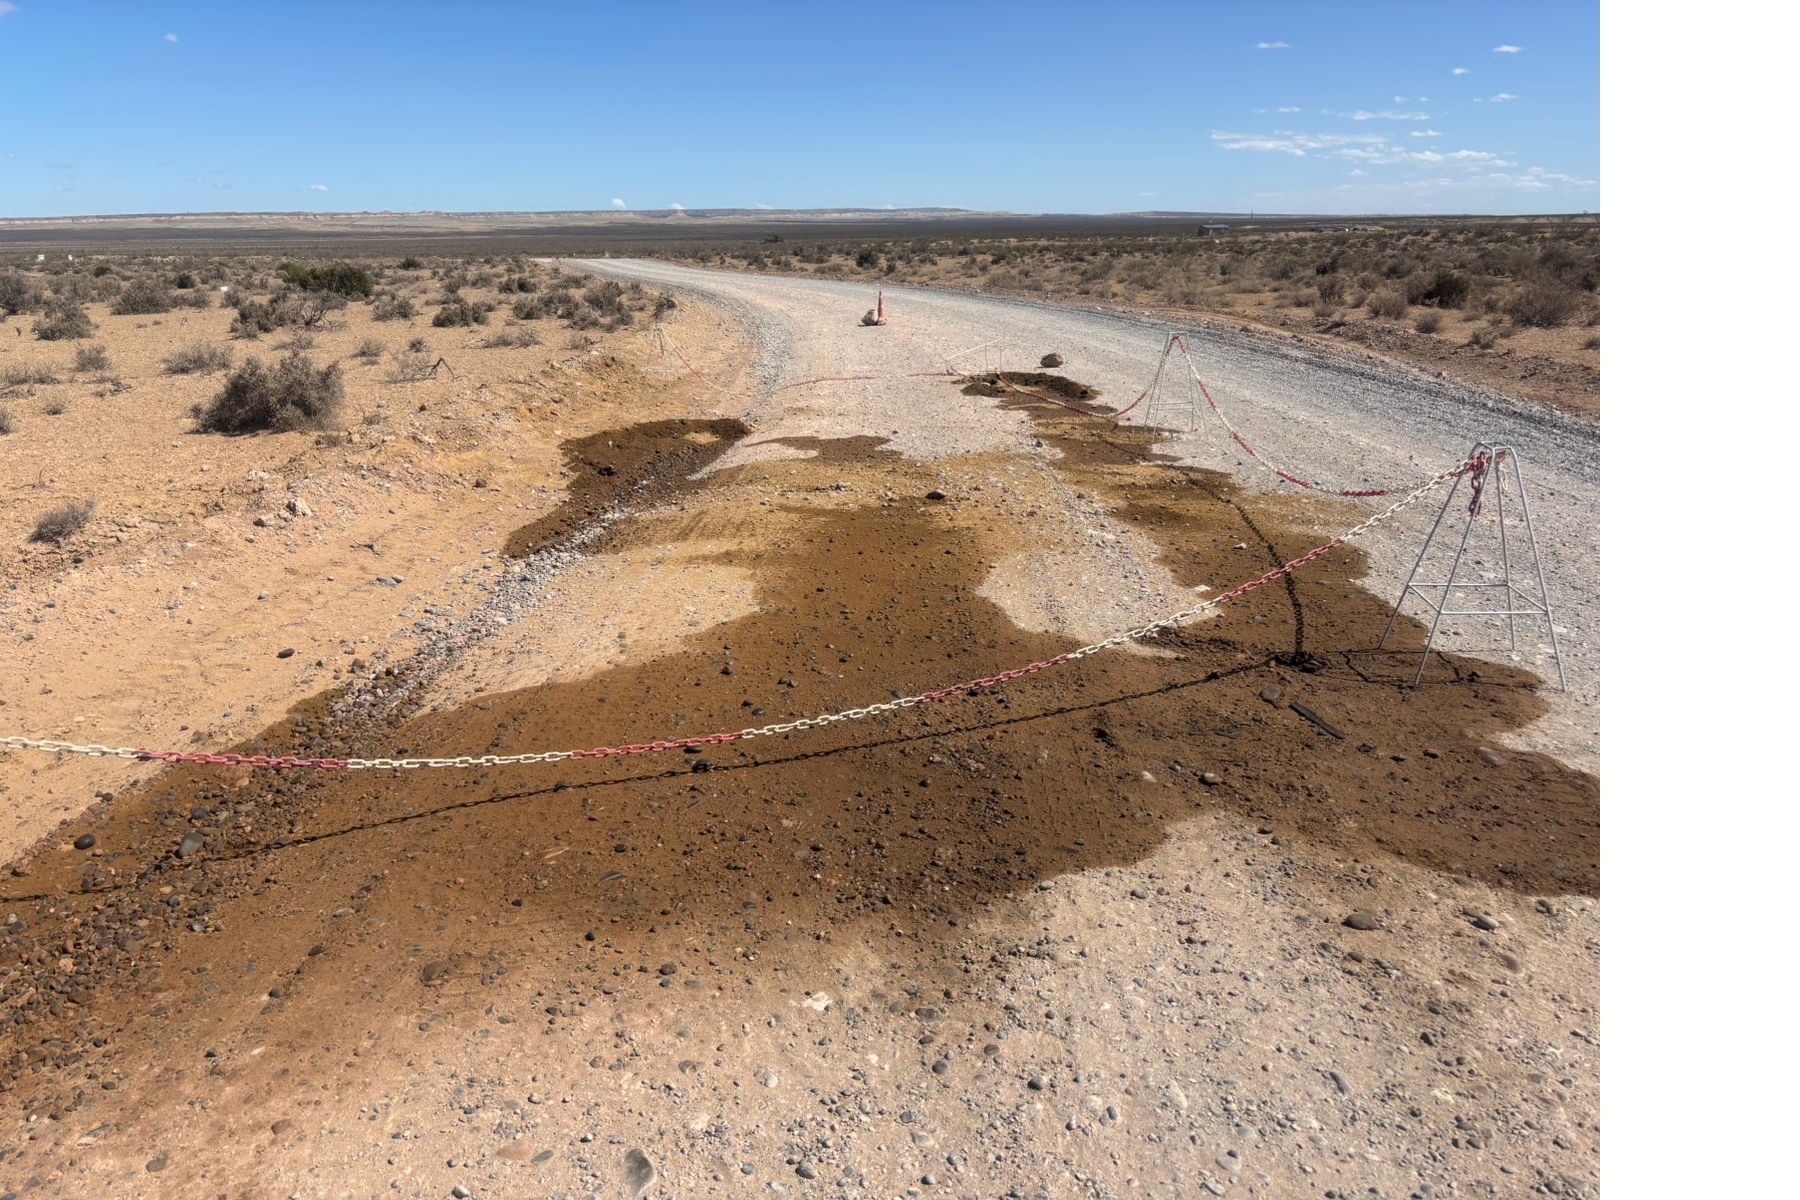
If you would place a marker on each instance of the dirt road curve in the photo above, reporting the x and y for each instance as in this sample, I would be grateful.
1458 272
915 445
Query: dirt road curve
1354 421
1232 912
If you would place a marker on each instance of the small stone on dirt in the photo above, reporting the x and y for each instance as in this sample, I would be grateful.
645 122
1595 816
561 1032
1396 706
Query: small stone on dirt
191 844
85 842
1051 360
1362 919
639 1173
287 653
1490 757
434 971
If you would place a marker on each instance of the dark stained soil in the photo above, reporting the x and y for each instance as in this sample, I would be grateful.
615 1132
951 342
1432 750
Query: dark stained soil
116 955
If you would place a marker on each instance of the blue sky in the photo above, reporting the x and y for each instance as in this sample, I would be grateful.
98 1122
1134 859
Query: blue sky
1044 107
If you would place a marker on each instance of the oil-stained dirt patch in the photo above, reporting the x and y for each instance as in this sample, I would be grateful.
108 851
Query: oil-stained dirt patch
638 465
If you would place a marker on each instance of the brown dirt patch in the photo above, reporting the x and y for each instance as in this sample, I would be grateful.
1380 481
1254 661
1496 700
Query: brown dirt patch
1006 383
638 466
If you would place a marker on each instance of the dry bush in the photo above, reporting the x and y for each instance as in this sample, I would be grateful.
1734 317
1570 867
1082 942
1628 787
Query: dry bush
62 522
370 348
1389 303
142 297
1543 305
393 308
92 358
63 321
411 366
56 407
461 312
6 422
294 395
16 375
18 293
197 359
512 335
1429 322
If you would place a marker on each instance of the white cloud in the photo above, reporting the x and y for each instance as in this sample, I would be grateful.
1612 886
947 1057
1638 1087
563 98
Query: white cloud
1506 48
1426 133
1459 70
1271 45
766 207
1399 99
1288 108
169 37
617 203
677 207
1284 141
1363 114
8 8
1501 98
317 187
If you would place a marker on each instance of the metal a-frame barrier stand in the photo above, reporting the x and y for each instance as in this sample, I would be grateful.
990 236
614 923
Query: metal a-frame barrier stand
1488 476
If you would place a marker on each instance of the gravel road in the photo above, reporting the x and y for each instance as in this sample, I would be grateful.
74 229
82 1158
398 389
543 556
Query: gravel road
1351 420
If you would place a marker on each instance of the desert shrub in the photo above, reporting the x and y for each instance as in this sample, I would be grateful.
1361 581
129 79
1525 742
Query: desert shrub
369 348
536 308
410 366
393 308
1388 302
664 304
25 375
1592 343
1445 289
62 522
56 407
197 359
339 279
193 299
1485 338
522 284
462 312
6 422
185 281
1543 305
142 297
1429 322
63 321
1331 289
513 335
409 263
581 341
293 395
18 293
870 256
92 358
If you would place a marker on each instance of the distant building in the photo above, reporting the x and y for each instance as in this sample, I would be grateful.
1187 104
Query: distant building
1210 228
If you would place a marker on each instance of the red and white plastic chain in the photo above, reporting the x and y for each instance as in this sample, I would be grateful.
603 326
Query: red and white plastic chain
1261 460
967 687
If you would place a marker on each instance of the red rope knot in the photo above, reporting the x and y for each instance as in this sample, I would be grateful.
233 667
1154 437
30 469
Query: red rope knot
1477 469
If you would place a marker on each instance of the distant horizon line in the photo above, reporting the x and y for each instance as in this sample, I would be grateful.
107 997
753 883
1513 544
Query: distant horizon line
775 213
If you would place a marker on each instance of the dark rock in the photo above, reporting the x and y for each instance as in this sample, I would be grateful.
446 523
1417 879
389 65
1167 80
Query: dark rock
934 494
806 1171
639 1173
192 842
1051 360
85 842
1484 922
287 653
434 971
1362 919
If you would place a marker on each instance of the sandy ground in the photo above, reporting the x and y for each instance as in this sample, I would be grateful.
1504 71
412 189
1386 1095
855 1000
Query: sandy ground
1083 936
